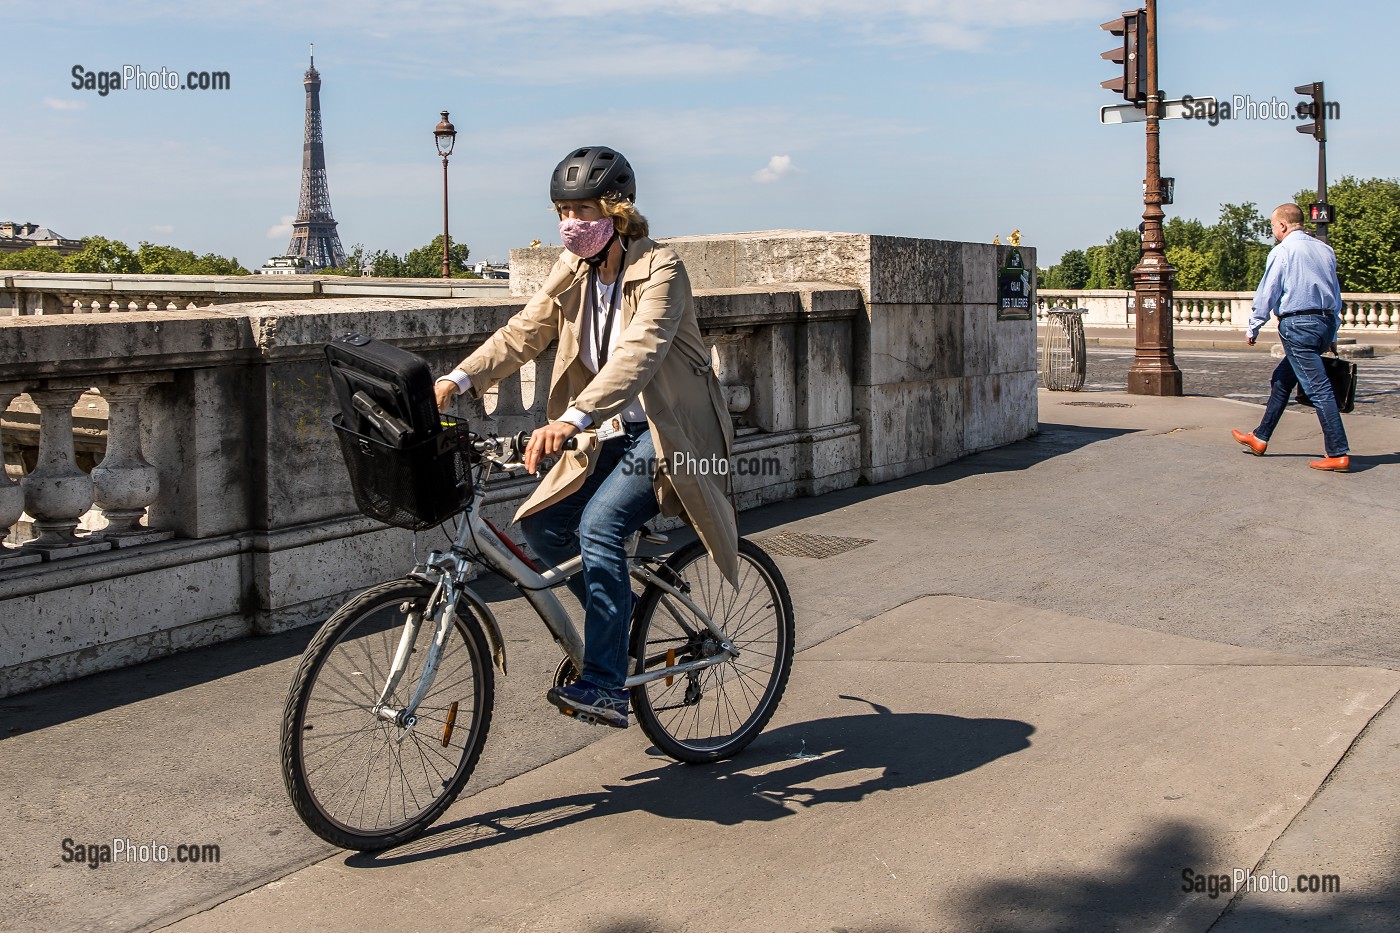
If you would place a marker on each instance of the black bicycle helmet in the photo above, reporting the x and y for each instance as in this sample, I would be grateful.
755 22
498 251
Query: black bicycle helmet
593 172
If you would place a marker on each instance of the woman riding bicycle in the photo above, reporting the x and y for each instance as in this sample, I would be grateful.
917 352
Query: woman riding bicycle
632 377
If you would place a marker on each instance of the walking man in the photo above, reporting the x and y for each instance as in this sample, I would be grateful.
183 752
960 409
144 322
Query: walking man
1300 286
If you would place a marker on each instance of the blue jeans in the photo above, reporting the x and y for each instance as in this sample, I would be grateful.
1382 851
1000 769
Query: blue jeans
616 500
1304 338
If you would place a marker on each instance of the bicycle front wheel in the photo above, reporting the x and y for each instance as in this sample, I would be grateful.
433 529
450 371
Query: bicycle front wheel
359 781
712 713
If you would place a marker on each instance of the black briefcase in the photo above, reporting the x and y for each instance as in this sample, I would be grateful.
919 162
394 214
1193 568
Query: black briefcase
1342 374
384 392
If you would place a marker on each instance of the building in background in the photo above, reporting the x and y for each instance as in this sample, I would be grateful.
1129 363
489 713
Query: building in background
283 265
15 237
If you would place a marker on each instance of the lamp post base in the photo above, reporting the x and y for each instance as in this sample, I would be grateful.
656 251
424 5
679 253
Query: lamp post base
1164 380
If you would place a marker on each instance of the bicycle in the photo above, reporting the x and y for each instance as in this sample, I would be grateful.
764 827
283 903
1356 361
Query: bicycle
390 706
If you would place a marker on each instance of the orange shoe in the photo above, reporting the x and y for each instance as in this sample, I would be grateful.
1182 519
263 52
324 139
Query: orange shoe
1255 445
1336 464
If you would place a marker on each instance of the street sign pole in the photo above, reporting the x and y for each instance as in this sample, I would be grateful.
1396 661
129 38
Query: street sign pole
1154 370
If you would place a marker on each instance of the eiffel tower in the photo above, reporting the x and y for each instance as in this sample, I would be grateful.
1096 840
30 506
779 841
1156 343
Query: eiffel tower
314 237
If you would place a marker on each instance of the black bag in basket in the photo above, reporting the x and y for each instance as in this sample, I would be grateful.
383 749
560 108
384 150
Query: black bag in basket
1342 374
384 391
414 487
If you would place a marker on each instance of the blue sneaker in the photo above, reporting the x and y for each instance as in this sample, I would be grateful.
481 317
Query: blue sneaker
591 704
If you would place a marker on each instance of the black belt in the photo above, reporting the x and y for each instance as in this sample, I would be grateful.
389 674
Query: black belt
1296 313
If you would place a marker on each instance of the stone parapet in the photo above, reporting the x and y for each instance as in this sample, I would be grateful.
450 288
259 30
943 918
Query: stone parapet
936 375
221 506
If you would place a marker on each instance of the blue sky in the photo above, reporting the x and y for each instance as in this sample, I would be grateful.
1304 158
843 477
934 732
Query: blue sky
929 118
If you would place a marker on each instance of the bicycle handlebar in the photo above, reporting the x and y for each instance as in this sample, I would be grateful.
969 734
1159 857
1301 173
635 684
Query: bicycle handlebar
509 448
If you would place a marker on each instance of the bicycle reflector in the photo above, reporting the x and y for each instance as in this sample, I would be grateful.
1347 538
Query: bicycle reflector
450 724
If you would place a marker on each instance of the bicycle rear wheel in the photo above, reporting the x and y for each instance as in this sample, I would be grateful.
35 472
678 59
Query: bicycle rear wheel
712 713
359 781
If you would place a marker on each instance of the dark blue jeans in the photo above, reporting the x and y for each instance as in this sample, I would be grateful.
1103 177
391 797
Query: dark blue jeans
1305 337
616 500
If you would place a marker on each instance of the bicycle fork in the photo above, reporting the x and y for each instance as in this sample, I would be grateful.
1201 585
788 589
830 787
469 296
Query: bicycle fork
440 604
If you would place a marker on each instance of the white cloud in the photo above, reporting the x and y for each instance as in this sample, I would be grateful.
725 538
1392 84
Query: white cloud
58 103
777 167
163 228
284 229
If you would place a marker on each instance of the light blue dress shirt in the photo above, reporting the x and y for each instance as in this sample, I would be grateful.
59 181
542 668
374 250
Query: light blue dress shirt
1300 275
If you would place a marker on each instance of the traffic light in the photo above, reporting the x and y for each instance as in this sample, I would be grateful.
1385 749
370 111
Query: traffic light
1132 55
1320 213
1316 107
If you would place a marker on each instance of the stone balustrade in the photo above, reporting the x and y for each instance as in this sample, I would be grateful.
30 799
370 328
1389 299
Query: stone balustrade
1362 312
219 506
35 293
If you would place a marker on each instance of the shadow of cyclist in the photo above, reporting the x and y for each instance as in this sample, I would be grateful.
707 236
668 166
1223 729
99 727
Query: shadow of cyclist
810 764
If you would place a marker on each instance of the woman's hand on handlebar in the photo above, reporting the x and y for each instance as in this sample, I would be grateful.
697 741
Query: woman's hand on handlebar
546 442
445 392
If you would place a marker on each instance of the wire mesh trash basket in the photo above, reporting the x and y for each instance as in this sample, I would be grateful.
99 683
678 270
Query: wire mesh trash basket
1062 354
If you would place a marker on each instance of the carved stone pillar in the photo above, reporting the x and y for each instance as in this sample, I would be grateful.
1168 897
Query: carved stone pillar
11 493
124 484
727 349
57 493
510 414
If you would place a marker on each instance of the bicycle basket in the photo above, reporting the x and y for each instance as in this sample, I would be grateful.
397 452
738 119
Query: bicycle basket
415 487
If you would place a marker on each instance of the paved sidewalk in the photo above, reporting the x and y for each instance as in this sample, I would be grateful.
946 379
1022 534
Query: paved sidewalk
1063 673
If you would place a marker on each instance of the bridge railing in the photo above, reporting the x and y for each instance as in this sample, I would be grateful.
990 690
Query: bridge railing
181 464
39 293
1362 312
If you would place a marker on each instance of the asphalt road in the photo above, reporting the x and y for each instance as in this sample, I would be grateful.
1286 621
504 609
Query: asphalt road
1245 376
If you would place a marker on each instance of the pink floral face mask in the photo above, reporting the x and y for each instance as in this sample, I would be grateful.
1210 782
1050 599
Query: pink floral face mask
586 238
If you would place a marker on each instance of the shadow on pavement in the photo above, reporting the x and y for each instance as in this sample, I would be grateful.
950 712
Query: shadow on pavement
1362 462
773 776
1147 889
1054 440
74 699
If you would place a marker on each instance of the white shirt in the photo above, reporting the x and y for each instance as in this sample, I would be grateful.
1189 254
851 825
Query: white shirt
595 315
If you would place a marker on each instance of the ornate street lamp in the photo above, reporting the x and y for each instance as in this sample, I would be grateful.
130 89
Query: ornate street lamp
445 135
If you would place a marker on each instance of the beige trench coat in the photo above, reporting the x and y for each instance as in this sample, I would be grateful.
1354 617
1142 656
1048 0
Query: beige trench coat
661 357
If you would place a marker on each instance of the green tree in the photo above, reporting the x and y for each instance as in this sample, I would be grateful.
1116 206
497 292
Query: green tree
1072 271
1193 269
1182 231
33 259
1237 248
357 262
1111 265
1366 236
386 265
425 262
102 255
171 260
212 264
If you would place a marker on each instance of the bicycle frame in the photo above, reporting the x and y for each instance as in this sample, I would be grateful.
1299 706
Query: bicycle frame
476 538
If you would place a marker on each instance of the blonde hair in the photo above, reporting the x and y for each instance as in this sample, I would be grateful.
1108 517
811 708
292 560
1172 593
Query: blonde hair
625 217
